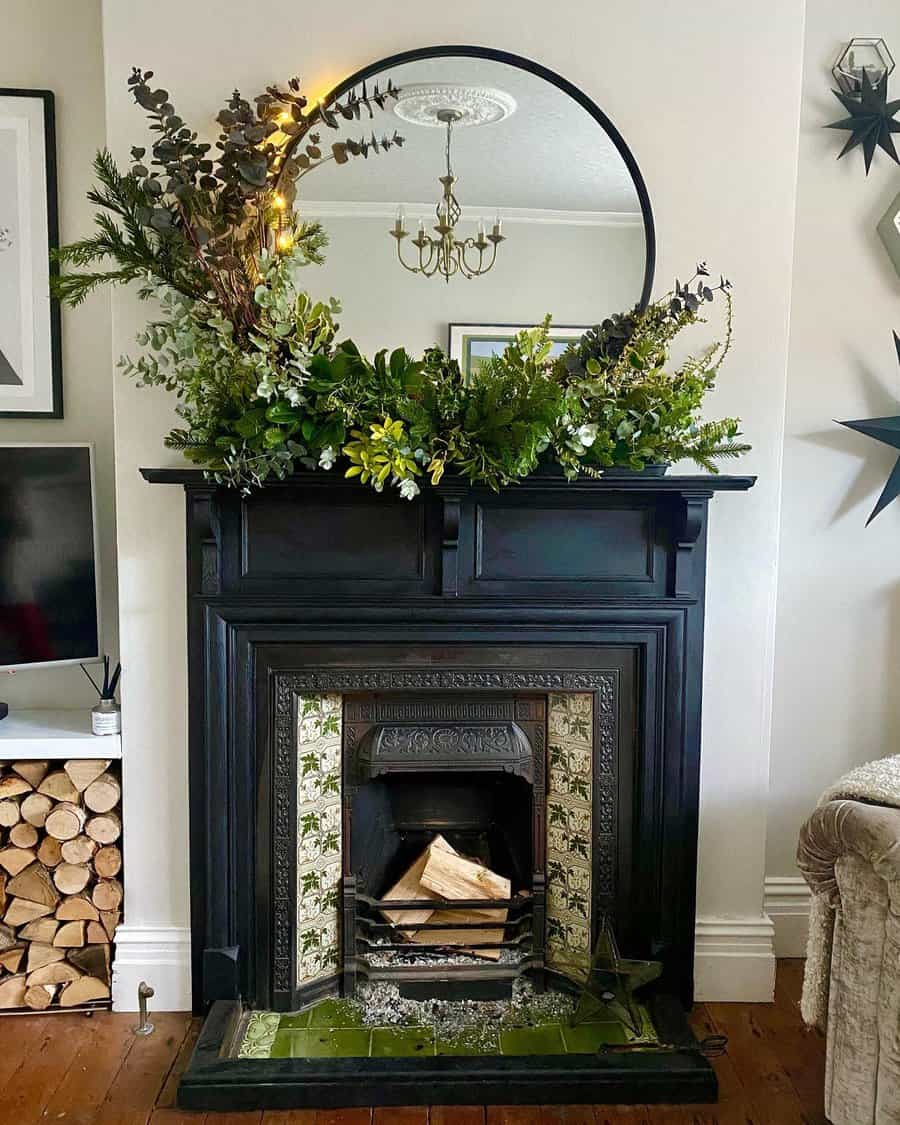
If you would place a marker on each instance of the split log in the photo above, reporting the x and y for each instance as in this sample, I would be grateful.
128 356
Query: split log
110 920
3 895
108 861
13 786
83 990
50 852
461 938
7 936
35 808
69 935
41 929
102 795
15 860
10 813
410 887
33 772
79 850
82 771
56 973
70 878
35 884
20 911
66 821
12 992
40 996
58 785
107 894
453 876
11 959
40 955
24 835
93 960
105 829
75 907
95 934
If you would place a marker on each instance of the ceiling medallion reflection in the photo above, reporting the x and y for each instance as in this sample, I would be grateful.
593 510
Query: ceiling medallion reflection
449 107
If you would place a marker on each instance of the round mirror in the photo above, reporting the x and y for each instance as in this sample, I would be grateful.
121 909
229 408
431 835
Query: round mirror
505 195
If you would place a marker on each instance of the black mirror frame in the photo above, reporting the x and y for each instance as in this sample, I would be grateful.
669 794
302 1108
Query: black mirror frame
449 50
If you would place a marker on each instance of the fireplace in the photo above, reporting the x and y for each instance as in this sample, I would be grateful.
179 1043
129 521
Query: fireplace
471 770
521 672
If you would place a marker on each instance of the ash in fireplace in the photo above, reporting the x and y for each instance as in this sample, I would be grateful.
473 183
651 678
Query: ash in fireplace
382 1006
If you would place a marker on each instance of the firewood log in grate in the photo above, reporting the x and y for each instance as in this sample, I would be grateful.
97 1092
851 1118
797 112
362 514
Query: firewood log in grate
441 874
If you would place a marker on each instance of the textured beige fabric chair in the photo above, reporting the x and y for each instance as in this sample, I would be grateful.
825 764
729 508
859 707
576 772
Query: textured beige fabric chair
849 853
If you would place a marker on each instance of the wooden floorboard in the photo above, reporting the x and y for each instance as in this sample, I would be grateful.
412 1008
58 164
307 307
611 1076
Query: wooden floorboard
92 1070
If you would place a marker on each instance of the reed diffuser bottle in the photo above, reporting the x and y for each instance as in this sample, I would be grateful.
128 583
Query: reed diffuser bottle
106 714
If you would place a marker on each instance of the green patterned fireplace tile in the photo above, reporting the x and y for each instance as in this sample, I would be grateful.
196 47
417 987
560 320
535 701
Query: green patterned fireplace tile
318 836
589 1037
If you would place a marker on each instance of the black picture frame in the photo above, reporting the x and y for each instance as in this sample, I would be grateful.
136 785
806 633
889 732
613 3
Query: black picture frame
47 99
469 51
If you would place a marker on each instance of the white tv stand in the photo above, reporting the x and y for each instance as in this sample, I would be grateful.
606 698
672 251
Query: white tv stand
54 734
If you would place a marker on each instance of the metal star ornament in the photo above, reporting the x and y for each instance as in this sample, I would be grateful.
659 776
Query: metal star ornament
871 119
886 430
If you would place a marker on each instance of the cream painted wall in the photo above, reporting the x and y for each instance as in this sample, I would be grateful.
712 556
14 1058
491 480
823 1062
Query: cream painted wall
711 114
45 44
838 635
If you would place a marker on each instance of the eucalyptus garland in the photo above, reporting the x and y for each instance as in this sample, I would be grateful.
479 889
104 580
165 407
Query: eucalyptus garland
265 387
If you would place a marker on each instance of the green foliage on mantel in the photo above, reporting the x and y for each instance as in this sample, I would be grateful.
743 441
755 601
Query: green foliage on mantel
265 387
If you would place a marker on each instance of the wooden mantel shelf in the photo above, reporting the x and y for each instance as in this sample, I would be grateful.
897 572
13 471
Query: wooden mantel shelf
694 484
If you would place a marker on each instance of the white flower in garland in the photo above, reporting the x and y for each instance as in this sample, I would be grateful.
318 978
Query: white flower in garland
587 434
408 488
327 457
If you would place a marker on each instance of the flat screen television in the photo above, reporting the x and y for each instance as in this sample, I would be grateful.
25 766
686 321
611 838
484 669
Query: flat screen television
49 603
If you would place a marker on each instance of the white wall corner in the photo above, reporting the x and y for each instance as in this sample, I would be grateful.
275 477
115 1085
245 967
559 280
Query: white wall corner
787 904
734 959
159 955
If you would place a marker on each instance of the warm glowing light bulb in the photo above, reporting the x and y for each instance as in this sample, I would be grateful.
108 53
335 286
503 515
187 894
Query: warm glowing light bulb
279 202
283 118
284 241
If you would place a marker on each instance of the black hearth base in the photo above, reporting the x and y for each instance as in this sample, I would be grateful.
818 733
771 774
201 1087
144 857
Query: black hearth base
216 1083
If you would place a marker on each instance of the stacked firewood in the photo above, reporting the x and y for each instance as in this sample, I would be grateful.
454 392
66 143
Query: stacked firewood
441 873
60 886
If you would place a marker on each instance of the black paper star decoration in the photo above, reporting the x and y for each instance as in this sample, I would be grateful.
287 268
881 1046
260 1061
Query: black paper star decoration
871 119
886 430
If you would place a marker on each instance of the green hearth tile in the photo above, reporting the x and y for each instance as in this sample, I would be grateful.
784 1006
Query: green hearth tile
402 1042
545 1040
322 1043
476 1041
585 1038
335 1013
294 1021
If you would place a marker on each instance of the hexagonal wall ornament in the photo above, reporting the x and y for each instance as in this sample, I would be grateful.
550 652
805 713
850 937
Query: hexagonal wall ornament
862 54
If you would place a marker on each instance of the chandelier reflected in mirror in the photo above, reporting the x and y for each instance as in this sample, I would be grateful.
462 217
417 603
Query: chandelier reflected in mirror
447 253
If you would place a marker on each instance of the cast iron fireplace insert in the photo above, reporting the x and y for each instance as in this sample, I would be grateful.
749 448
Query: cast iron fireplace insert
552 587
470 769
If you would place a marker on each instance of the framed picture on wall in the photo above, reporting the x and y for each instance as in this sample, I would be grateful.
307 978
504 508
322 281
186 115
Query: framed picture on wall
472 344
30 360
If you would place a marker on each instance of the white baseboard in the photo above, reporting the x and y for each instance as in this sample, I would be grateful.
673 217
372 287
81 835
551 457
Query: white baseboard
734 959
159 955
787 904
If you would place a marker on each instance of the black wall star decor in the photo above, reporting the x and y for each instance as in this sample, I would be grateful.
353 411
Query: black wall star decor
871 120
886 430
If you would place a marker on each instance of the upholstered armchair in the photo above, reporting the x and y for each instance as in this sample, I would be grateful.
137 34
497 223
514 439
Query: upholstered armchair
849 853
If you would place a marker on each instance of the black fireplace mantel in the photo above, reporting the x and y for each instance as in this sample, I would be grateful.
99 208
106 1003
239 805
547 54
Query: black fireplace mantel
317 584
294 576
